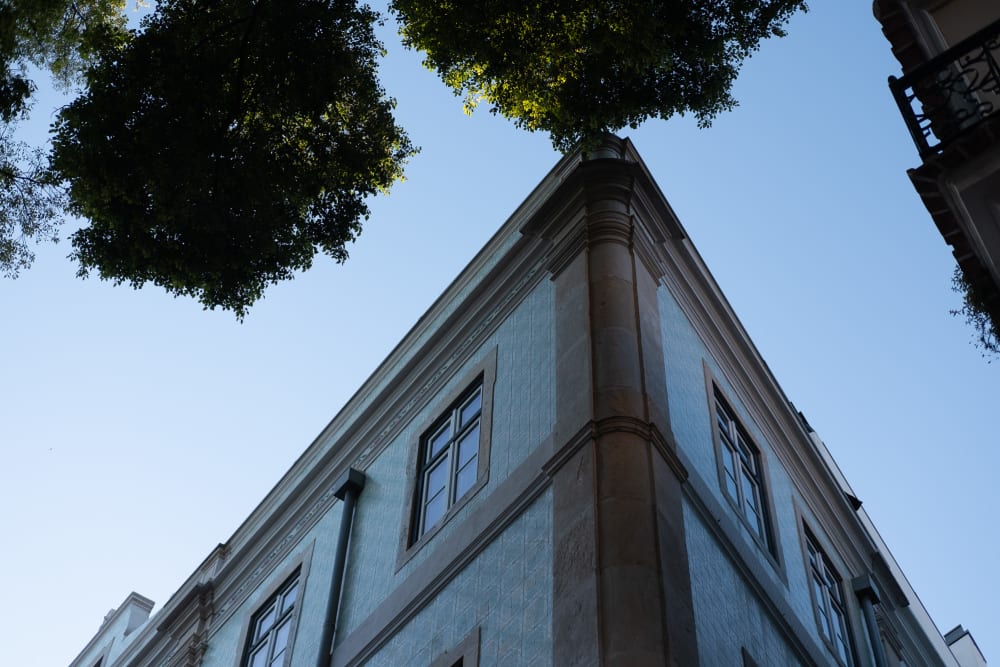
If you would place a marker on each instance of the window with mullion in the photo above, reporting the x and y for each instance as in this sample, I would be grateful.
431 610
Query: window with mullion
449 459
271 626
741 470
828 600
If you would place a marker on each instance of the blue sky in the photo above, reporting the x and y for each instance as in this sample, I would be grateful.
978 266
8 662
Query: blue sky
139 430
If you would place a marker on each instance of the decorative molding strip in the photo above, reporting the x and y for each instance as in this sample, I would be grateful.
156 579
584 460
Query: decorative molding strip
649 432
646 245
609 226
667 449
566 250
606 200
461 351
557 460
886 630
277 553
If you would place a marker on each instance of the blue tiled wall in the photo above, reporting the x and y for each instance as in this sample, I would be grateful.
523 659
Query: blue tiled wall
506 590
728 614
523 415
719 620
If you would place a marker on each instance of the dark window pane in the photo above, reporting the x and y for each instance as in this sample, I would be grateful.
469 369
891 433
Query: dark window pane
466 478
838 626
731 487
468 446
271 628
281 637
439 440
750 493
746 452
726 440
833 585
437 478
819 600
265 623
824 622
840 629
729 463
289 598
450 456
259 659
842 649
723 424
754 518
435 509
471 409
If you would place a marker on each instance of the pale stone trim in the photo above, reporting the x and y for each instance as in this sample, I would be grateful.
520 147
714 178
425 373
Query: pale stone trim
301 564
486 371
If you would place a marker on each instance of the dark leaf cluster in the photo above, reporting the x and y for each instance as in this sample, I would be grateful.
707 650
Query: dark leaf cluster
580 68
31 204
980 313
223 146
54 35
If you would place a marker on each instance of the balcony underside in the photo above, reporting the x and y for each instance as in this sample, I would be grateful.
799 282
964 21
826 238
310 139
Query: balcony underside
964 203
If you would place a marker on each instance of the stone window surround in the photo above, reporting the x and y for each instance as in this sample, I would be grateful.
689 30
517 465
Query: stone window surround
768 545
809 536
300 566
748 660
281 616
485 372
448 466
465 654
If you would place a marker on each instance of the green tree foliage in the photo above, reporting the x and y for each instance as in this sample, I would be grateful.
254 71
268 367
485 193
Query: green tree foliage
223 146
220 147
980 313
57 35
31 204
580 68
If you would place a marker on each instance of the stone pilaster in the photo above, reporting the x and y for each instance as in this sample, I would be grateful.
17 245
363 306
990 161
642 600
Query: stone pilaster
622 589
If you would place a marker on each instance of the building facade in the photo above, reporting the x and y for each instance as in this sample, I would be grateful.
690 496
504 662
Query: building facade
949 98
576 457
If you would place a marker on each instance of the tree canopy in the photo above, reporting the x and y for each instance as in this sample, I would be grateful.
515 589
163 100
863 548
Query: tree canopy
220 148
223 144
580 68
59 36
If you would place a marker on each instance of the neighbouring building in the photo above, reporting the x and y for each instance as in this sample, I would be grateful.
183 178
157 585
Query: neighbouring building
949 97
576 457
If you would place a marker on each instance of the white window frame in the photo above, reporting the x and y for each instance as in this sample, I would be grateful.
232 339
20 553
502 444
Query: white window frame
826 588
444 450
741 471
286 615
413 535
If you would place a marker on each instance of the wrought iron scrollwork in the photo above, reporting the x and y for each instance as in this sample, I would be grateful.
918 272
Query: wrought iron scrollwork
952 92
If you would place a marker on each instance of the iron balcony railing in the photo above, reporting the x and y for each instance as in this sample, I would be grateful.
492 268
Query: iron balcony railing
951 93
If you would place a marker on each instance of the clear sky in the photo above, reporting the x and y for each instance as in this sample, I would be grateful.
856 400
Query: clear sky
138 431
